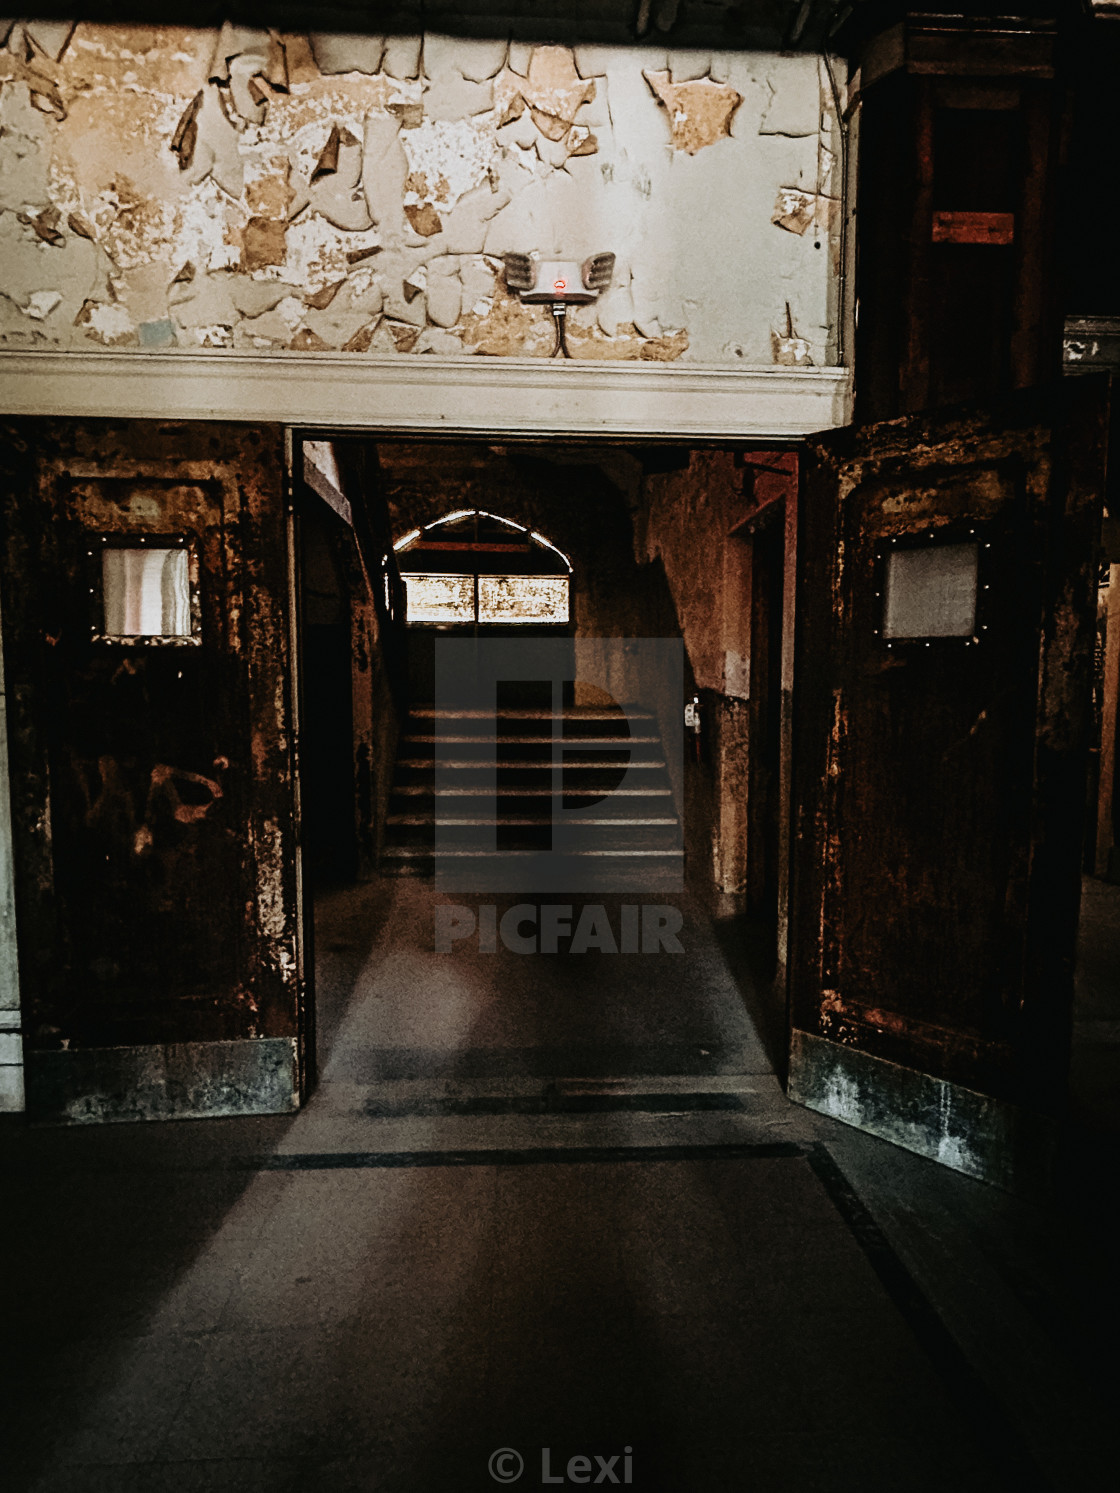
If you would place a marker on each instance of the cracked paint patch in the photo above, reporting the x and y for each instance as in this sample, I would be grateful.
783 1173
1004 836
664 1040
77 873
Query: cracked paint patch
446 159
507 328
243 187
110 324
797 211
41 303
23 60
700 112
553 91
788 349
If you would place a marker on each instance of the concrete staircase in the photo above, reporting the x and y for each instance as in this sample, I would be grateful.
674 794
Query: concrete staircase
482 788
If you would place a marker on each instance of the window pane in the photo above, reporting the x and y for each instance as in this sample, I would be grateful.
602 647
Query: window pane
440 598
523 598
931 593
147 593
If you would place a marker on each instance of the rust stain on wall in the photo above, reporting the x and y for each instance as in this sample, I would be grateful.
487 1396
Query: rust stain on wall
263 242
155 767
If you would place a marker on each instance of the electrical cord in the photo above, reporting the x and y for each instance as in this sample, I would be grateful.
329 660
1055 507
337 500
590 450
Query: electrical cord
560 317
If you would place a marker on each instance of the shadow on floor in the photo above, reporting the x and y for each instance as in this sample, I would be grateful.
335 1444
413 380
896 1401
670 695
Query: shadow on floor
407 1013
748 948
209 1307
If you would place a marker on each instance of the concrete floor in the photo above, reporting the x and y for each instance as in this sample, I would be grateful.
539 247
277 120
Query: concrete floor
549 1202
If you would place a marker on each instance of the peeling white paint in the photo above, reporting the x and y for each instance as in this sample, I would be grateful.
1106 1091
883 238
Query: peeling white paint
111 323
452 156
490 147
214 336
41 303
842 1099
204 238
736 675
270 881
953 1151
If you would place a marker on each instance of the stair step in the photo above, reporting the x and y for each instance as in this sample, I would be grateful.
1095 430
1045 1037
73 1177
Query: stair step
567 743
459 801
416 852
427 839
535 819
542 765
529 713
527 792
584 789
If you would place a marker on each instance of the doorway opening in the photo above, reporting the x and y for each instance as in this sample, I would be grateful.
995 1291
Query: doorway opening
516 993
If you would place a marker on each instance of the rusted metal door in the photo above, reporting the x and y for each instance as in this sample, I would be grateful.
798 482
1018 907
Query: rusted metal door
146 631
946 589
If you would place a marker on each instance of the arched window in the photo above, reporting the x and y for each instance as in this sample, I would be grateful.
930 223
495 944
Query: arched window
474 567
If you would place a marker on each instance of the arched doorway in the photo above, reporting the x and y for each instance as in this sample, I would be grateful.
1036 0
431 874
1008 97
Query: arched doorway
474 574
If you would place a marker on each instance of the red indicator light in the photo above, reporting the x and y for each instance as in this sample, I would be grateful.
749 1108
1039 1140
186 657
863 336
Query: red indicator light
559 284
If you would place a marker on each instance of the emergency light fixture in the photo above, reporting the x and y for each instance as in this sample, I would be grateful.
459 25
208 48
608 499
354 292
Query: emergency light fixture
558 283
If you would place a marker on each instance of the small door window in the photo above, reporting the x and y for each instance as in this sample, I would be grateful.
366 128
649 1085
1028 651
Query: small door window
145 590
931 592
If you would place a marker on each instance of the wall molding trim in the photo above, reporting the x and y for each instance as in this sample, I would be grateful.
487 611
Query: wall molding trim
423 393
181 1081
969 1132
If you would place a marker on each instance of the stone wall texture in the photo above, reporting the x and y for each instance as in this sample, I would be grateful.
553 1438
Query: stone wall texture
163 187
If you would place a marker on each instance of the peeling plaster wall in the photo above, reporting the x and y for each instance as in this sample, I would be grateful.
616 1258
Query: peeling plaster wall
686 523
683 523
685 520
164 187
